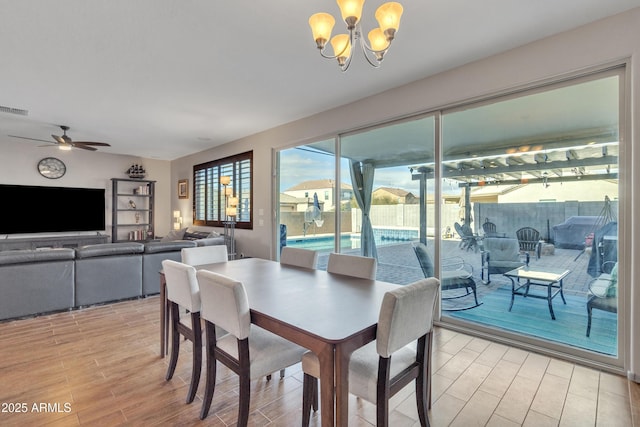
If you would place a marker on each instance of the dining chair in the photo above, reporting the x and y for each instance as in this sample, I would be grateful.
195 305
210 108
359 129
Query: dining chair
299 257
385 366
248 350
201 255
183 292
352 265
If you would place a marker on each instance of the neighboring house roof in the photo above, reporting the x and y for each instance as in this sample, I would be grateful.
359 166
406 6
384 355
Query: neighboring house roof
286 198
316 184
395 191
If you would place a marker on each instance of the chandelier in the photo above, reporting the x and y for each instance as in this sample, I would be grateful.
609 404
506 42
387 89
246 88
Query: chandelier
388 17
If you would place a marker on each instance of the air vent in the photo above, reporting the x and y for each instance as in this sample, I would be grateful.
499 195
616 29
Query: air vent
12 110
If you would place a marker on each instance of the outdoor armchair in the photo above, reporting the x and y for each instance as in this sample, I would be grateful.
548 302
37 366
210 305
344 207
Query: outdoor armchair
500 255
467 238
603 292
529 240
454 274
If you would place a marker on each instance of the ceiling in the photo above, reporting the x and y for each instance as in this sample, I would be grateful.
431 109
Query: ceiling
167 78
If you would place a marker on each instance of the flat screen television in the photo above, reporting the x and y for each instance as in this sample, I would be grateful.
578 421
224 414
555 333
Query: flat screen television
34 209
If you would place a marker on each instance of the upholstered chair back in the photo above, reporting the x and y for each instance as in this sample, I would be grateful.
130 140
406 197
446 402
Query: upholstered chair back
352 265
299 257
224 303
201 255
182 285
406 314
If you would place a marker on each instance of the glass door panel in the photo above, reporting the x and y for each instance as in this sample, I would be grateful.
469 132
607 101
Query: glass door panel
530 182
306 184
385 207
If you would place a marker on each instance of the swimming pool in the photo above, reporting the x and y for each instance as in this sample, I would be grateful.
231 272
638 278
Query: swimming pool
325 243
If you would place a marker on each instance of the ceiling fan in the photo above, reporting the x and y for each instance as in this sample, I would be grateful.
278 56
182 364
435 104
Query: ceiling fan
65 143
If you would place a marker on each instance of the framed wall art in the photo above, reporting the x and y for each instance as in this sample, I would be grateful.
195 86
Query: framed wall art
183 189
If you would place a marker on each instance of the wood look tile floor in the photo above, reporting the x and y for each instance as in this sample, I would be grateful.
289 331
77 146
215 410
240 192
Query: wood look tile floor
100 366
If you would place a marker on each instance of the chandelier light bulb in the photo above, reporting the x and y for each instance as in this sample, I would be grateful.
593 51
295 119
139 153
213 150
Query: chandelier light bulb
341 47
388 17
351 11
321 26
378 42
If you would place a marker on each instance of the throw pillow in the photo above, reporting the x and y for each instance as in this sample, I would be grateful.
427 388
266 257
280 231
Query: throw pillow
195 235
174 235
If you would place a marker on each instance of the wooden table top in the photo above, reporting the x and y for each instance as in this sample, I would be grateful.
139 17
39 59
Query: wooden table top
329 306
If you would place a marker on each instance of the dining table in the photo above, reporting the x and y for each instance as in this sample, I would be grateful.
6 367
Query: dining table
330 314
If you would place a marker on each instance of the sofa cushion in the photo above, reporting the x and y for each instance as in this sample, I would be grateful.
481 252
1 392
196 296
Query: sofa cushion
174 235
176 245
35 255
109 249
210 241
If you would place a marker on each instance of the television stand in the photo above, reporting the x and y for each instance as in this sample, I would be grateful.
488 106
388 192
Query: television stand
51 242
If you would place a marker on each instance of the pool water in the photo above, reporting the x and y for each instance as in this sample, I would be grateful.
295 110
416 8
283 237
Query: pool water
351 241
320 243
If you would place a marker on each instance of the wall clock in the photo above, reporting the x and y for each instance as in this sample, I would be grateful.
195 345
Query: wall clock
51 168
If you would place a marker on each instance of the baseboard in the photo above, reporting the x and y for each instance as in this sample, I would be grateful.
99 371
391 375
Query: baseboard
633 377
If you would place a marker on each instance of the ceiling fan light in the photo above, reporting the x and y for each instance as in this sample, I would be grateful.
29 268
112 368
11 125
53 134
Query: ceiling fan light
341 47
378 42
351 11
321 26
65 147
388 16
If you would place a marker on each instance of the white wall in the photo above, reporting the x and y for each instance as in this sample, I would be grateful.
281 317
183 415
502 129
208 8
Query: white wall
602 42
19 160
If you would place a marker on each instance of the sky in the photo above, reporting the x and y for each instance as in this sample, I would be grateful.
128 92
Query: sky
305 164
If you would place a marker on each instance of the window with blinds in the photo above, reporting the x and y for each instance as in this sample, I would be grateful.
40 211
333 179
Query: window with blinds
209 201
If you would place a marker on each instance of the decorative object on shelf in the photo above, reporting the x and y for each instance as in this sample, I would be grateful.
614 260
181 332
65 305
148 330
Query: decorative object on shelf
51 168
231 210
132 204
388 17
142 190
136 172
177 220
183 189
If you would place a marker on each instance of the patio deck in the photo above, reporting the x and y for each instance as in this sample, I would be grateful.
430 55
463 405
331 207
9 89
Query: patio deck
397 263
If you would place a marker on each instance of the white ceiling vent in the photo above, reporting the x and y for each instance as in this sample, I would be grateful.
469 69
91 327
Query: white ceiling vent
11 110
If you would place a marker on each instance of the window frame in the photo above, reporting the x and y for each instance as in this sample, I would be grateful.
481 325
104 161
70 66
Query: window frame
212 199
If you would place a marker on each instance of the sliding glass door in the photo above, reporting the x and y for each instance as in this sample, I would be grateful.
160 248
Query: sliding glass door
533 179
513 202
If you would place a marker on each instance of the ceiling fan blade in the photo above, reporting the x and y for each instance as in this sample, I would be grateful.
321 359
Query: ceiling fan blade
84 147
30 139
58 139
98 144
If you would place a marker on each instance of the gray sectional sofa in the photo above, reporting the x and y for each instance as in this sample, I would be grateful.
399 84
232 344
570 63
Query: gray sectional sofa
54 279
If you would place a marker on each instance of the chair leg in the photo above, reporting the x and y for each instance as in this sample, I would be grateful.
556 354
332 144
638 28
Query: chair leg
196 327
588 319
243 410
210 386
175 340
309 397
475 295
383 393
